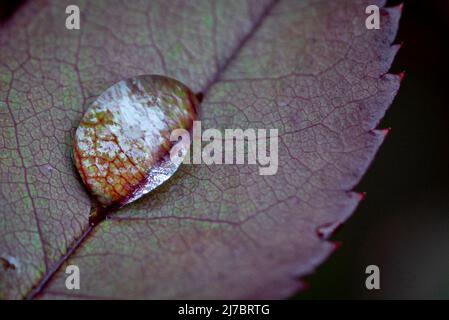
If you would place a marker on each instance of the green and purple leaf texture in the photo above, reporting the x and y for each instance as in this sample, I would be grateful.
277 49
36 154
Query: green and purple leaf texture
311 69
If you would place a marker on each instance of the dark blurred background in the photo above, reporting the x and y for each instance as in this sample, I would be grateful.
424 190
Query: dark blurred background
403 224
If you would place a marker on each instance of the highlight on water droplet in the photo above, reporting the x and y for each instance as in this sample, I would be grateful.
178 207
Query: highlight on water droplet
122 145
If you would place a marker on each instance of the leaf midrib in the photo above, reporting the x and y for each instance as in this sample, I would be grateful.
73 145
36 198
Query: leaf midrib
51 272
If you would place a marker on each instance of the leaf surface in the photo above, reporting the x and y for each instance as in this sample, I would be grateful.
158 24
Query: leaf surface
308 68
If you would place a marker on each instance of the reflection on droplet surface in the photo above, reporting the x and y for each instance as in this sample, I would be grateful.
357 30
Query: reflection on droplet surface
122 145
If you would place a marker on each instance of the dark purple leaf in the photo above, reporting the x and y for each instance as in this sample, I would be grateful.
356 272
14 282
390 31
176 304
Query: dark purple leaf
308 68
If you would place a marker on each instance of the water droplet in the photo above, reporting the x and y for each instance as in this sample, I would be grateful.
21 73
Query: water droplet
122 145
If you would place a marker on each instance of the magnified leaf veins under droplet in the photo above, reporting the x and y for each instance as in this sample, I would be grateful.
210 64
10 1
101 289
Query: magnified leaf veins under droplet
122 145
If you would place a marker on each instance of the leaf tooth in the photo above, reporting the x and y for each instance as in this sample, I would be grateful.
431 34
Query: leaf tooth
362 195
393 14
381 134
327 230
397 46
305 285
336 245
399 7
401 76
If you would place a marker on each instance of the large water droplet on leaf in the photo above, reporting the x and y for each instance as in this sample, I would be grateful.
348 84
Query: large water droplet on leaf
122 145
